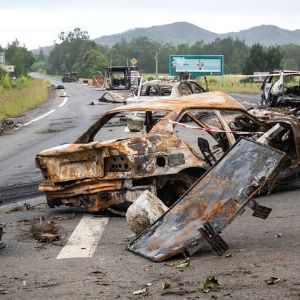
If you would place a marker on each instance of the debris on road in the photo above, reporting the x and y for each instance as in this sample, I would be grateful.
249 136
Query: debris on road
111 97
2 244
45 231
166 285
7 124
183 264
3 291
141 291
278 235
211 283
227 255
211 204
144 211
272 280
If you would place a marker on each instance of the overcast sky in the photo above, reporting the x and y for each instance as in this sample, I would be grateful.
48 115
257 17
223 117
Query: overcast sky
38 22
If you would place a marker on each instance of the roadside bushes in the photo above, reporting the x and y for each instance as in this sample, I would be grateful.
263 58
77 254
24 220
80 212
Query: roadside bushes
5 81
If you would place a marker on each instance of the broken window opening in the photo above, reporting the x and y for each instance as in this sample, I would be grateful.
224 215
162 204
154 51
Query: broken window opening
121 125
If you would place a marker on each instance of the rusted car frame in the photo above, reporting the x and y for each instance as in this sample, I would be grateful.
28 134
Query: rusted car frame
98 175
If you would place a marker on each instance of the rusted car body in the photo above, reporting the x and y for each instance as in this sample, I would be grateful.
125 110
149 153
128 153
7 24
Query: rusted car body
162 158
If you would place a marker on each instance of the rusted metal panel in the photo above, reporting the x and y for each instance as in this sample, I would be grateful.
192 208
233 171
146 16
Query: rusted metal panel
212 202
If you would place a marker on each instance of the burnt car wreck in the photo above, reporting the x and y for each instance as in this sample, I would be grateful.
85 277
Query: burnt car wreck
179 141
281 88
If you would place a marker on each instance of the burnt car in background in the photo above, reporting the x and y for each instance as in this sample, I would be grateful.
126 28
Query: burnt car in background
122 77
181 138
281 87
70 77
157 89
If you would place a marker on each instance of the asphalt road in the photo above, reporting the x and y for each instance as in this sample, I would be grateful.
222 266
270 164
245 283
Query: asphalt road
259 249
89 261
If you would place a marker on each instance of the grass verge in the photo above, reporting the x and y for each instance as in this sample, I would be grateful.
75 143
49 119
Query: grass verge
232 84
14 102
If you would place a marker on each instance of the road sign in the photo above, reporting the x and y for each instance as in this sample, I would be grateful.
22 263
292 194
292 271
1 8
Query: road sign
133 61
9 68
196 65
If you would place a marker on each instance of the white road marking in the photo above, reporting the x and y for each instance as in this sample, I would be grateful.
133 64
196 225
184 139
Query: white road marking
39 118
84 239
64 102
49 112
65 99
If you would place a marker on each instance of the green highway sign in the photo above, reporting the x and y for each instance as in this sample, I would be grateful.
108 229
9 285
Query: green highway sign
196 65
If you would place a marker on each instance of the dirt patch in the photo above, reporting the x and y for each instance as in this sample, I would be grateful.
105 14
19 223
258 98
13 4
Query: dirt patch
57 127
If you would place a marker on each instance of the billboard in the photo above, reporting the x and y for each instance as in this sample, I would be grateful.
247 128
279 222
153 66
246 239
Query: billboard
196 65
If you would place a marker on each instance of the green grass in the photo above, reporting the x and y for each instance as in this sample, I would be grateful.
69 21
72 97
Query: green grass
227 83
231 84
26 95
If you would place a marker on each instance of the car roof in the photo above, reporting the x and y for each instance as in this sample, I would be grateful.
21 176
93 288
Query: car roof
211 100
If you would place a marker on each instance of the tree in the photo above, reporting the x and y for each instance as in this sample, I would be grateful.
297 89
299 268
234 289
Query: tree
65 55
291 57
263 60
41 55
256 61
20 57
91 63
274 58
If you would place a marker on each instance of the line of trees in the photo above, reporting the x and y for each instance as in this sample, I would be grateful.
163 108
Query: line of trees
76 52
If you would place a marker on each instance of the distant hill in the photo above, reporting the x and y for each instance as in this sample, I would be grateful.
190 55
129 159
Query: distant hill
183 32
175 33
266 35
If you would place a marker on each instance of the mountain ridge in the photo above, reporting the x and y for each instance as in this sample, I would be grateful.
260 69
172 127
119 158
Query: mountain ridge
184 32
